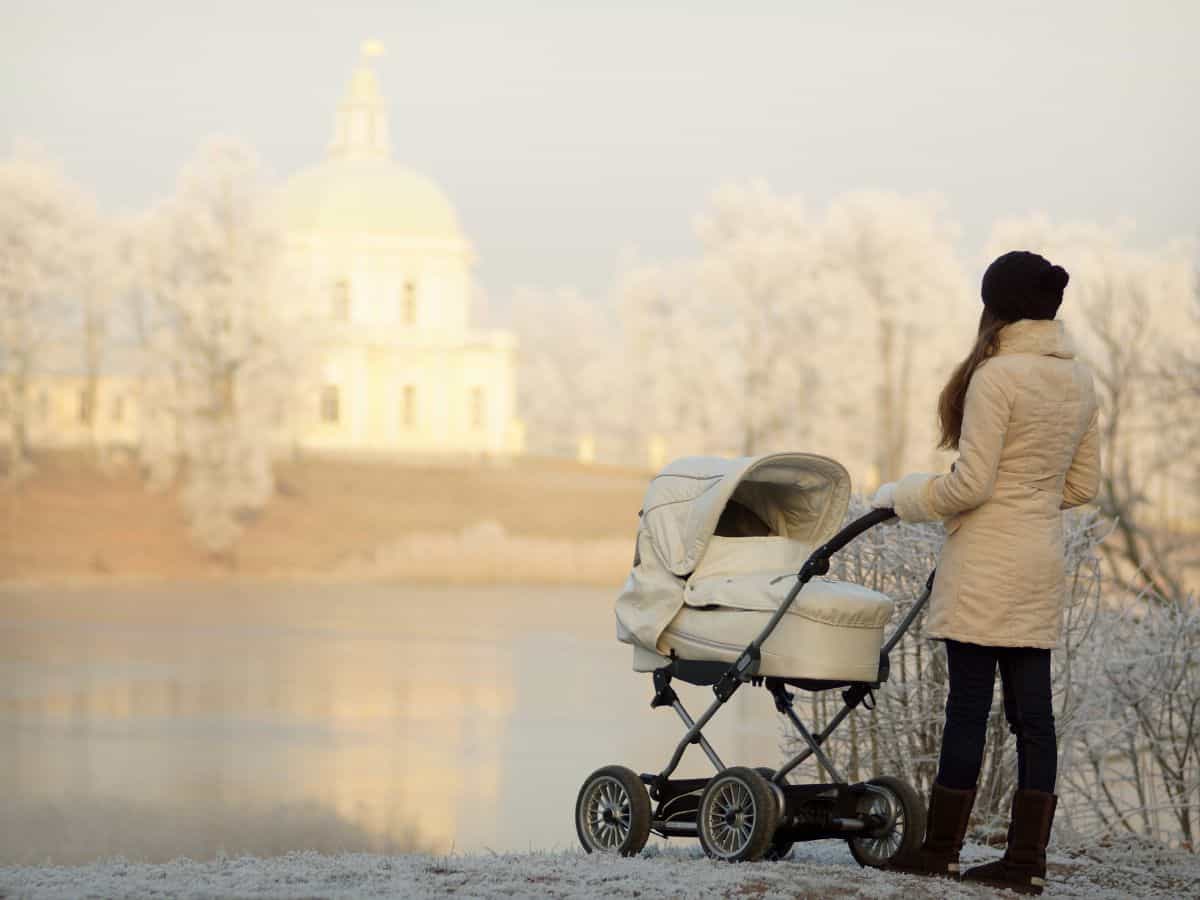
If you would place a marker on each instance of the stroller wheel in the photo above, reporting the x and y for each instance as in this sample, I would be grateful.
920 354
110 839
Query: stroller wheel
738 815
612 812
781 846
897 802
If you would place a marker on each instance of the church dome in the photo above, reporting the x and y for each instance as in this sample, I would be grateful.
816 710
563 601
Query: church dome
358 188
376 196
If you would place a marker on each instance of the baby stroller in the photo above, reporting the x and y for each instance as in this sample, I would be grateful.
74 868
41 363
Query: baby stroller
725 590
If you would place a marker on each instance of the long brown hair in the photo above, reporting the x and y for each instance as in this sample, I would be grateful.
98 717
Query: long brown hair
953 399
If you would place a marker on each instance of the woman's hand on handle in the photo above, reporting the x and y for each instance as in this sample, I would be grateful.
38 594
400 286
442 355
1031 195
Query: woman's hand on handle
885 498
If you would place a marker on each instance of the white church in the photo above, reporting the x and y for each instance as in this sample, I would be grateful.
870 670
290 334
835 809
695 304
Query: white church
403 370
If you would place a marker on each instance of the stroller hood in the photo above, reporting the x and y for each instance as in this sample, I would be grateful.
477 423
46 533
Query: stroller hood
798 495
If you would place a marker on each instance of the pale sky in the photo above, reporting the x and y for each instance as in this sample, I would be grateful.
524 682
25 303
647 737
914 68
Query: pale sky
569 134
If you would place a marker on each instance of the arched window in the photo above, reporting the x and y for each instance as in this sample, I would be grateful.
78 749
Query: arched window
478 404
408 406
408 304
340 301
331 411
118 408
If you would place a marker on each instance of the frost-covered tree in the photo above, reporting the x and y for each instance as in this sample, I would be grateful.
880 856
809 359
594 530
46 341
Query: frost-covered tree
102 274
572 379
720 344
892 273
44 222
223 353
793 331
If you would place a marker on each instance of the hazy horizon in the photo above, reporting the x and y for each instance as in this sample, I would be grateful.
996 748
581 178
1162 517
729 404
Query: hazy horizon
568 137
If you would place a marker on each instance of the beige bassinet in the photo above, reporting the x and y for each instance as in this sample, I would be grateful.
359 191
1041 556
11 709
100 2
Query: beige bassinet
719 547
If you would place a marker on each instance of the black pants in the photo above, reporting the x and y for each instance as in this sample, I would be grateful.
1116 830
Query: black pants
1025 676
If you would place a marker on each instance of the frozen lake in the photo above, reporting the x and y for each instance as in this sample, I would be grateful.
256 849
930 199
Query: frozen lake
154 722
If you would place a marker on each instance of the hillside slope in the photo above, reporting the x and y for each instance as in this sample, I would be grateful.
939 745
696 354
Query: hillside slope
71 521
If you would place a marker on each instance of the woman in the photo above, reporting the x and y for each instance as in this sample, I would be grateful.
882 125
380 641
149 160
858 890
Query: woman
1021 412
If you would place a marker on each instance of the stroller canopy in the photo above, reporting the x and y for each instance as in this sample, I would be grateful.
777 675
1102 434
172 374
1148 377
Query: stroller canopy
801 496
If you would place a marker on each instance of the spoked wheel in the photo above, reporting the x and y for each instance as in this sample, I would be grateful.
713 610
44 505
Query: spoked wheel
898 805
612 812
738 815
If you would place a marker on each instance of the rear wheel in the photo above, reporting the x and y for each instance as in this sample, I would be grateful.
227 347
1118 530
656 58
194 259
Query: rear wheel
612 812
738 815
901 811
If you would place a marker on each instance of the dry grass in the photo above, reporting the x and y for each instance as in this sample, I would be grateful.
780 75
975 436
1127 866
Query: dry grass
530 520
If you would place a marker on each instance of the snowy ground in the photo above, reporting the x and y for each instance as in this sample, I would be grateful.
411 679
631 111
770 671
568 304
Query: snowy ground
815 871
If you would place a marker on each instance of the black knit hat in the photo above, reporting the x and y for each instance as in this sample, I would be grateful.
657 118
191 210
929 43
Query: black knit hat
1023 285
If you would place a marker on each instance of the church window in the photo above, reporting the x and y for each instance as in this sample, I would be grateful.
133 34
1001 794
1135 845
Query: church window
330 404
341 301
408 405
408 304
43 405
478 407
3 404
85 406
118 408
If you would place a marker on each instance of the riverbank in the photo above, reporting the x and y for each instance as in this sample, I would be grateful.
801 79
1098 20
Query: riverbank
522 521
815 871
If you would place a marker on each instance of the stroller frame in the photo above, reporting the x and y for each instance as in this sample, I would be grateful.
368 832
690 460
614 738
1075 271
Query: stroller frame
804 812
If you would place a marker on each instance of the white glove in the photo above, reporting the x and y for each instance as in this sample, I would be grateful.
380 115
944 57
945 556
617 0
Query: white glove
885 498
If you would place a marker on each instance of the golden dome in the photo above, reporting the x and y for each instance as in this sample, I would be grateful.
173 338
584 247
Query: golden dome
359 188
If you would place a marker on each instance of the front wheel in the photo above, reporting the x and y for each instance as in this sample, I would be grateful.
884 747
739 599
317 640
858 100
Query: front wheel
612 812
781 845
898 807
738 815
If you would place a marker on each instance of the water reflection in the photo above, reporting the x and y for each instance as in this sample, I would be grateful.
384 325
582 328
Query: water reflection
155 722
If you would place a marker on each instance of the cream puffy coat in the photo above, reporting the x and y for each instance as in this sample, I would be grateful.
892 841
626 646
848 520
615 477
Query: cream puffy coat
1029 449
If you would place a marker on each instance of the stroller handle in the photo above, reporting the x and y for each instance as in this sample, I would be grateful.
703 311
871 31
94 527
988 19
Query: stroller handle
853 530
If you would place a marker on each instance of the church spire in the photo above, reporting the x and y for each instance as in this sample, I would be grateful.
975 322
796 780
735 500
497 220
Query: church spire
361 127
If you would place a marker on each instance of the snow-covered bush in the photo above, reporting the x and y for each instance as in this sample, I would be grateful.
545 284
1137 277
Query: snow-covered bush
902 735
1134 766
1126 688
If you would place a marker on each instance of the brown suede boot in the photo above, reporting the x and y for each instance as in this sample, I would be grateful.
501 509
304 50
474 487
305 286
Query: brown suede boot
945 829
1023 866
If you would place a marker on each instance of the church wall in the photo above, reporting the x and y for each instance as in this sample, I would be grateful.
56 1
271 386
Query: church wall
379 275
426 398
53 417
406 386
490 368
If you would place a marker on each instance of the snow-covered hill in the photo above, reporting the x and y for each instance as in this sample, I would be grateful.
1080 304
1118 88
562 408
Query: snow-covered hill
817 872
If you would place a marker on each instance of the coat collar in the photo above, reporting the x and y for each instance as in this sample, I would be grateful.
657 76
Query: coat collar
1042 337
